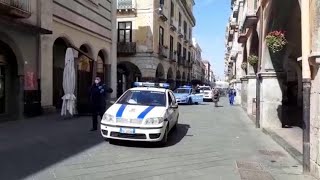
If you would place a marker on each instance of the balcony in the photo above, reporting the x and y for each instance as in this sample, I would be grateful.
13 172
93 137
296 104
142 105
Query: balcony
184 2
126 5
162 14
173 56
16 8
180 34
126 48
250 15
180 60
186 40
173 24
163 51
230 35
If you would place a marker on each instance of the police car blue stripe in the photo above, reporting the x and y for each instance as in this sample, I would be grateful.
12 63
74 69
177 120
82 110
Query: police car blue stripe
145 112
120 111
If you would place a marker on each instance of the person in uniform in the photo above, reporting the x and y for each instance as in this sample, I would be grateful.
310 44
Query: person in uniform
98 92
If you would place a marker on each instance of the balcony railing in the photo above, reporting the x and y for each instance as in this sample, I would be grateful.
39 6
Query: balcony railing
180 60
162 13
173 56
126 4
180 32
163 51
184 2
173 24
16 8
126 48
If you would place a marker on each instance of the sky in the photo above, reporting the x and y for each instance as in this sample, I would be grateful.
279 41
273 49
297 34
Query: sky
211 20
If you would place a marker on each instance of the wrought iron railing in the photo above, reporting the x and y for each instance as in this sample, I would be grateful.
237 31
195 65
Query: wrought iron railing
22 6
126 4
126 48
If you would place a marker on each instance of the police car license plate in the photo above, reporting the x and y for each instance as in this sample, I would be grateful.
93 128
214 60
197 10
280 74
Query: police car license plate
127 131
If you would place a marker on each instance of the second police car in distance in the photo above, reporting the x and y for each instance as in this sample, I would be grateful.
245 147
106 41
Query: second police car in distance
146 112
187 95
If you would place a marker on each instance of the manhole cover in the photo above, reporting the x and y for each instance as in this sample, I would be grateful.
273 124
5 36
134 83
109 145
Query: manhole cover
272 153
249 165
254 175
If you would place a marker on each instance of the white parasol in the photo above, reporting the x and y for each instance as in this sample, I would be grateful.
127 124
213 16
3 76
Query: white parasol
69 82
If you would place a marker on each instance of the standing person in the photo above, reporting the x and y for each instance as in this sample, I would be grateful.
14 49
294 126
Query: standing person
98 92
232 94
216 96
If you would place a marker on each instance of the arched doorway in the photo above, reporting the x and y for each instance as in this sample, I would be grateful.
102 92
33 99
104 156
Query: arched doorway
285 61
84 80
170 79
59 50
9 81
160 74
188 78
127 73
254 50
178 79
101 67
183 78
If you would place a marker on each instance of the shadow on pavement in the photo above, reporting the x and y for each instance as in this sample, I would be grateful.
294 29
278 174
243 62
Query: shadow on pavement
175 136
29 146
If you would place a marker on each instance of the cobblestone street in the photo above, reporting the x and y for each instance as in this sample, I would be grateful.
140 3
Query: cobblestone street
209 143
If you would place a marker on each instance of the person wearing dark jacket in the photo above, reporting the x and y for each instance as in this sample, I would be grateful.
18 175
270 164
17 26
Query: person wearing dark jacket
98 92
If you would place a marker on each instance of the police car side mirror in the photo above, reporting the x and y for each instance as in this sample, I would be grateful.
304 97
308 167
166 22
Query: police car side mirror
174 106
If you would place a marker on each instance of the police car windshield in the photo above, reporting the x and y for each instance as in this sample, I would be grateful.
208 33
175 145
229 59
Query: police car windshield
143 98
182 91
205 89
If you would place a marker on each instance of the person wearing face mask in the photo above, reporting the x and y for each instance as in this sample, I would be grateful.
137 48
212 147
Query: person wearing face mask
98 92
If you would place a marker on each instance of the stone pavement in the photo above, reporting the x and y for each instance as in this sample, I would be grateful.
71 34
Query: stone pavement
209 143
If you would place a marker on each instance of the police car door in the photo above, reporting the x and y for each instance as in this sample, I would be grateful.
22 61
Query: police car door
172 112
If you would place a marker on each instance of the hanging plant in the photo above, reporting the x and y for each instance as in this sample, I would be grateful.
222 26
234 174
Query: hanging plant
244 65
276 41
253 60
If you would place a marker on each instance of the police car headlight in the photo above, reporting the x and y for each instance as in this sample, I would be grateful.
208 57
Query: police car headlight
108 118
154 121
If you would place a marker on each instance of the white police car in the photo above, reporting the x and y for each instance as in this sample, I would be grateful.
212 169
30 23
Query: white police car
144 113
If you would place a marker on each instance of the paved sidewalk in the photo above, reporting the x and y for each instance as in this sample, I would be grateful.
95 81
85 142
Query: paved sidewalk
209 143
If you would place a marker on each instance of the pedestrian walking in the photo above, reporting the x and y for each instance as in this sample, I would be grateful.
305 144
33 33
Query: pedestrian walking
98 92
232 94
216 96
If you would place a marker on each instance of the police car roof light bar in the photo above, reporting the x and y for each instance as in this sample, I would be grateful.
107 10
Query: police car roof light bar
149 84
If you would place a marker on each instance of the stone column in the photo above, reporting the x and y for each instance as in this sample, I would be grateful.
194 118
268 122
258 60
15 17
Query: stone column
244 92
251 93
237 87
271 100
314 134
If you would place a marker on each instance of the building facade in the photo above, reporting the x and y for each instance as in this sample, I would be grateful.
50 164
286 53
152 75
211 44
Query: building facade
154 41
21 26
34 36
278 84
87 27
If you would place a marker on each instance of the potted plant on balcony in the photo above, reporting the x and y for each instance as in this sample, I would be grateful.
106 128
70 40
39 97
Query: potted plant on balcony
244 65
253 60
276 41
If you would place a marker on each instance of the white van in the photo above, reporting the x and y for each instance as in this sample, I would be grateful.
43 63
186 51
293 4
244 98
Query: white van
207 93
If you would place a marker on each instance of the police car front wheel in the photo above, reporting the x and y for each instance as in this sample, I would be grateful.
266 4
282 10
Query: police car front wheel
164 139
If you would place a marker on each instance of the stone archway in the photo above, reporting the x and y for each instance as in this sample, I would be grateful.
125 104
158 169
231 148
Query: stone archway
178 79
170 78
85 72
9 82
127 73
60 46
160 74
184 78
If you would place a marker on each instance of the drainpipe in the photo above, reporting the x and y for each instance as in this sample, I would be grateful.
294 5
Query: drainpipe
306 81
258 88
